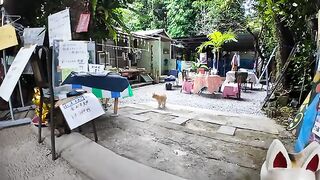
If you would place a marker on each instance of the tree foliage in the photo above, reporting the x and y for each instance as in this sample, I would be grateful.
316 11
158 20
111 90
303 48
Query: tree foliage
187 17
289 22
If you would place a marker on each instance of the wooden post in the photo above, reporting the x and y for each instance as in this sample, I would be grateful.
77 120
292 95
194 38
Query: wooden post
116 106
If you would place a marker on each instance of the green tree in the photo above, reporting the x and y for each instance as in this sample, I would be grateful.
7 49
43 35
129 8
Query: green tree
219 14
289 22
181 18
146 15
216 40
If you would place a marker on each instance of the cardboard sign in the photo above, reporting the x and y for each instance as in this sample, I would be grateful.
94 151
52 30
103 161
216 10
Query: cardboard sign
73 55
33 36
83 23
59 26
15 72
81 110
8 37
96 68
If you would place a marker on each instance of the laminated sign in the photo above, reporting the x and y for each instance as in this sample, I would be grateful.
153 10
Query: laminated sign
73 55
59 26
33 36
83 23
81 109
8 37
15 71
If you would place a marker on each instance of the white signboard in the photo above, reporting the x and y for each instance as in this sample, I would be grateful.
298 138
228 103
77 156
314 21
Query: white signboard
33 36
59 26
81 110
73 55
96 68
15 72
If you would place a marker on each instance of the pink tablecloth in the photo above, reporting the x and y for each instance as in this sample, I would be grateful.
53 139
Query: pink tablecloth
230 89
212 82
187 87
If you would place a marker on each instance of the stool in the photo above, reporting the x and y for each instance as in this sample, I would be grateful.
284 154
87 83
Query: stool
187 87
231 89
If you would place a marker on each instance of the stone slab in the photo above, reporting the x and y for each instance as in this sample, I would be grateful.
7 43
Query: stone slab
98 162
228 130
140 118
11 123
179 120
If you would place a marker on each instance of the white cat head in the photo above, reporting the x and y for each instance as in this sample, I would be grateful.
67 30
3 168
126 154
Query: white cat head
279 165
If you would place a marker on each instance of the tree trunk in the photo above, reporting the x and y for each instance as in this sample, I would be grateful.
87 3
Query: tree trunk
257 49
286 43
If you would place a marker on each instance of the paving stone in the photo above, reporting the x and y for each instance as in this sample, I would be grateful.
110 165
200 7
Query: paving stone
138 117
179 120
228 130
138 112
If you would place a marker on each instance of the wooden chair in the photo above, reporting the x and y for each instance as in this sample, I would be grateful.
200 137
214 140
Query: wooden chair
241 78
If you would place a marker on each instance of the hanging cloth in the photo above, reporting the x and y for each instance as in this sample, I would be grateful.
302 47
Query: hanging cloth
84 20
234 62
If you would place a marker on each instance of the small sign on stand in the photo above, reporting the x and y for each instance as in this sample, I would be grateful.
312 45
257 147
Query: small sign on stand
81 109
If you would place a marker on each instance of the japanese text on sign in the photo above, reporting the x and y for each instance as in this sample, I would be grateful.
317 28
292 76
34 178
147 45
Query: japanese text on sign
73 54
15 72
81 110
96 68
59 26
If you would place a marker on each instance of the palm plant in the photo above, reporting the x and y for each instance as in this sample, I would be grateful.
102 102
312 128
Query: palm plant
216 40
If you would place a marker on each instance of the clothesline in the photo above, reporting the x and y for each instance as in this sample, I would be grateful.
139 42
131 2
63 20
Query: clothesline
123 47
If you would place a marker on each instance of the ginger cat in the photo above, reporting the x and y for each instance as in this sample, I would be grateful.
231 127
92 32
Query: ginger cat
161 100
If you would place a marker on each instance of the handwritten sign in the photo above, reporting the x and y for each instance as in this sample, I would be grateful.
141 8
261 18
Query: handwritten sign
15 71
8 37
73 55
59 26
81 110
83 23
33 36
96 68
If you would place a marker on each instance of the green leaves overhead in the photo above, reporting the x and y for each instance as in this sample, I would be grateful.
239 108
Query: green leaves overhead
217 39
108 15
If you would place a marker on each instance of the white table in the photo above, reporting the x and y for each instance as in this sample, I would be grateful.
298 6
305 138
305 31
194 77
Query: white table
252 78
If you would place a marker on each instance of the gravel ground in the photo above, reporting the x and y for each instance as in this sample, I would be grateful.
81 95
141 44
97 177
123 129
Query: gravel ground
249 104
21 157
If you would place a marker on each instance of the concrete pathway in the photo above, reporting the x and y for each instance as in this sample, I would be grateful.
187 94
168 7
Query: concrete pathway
98 162
178 142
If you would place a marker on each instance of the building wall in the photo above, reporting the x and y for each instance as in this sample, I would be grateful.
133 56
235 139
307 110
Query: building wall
165 54
145 61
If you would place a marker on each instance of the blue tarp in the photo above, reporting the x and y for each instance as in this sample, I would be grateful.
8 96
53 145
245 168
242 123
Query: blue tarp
110 82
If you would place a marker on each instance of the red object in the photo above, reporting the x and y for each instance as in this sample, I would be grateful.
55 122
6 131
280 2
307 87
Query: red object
313 164
83 23
201 70
280 161
35 121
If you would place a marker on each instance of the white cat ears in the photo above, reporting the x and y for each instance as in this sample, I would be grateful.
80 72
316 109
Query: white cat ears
278 157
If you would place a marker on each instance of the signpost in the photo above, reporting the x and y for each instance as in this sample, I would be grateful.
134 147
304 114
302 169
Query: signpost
81 110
